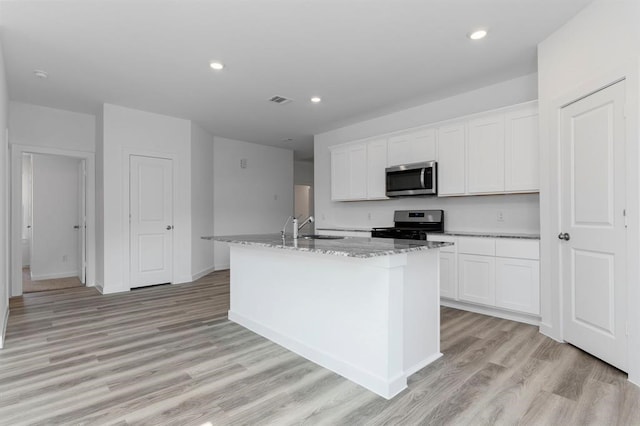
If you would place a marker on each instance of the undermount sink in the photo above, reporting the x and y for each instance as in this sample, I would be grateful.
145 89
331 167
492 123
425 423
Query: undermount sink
321 237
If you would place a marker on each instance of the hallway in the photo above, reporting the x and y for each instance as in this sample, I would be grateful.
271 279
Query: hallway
29 286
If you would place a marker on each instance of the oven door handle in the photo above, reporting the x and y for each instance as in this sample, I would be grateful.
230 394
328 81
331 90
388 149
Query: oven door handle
422 178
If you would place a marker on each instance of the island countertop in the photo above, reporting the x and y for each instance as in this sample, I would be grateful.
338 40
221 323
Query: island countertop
347 246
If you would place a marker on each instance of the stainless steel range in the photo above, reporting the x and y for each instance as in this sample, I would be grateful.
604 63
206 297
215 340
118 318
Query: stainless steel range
412 225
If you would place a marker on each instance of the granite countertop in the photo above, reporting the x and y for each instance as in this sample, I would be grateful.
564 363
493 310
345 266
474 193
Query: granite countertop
492 235
344 229
451 233
347 247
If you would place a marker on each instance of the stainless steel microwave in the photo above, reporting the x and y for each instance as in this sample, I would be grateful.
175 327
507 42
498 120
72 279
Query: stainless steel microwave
412 179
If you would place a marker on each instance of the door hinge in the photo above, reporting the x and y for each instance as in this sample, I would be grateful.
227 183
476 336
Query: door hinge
624 214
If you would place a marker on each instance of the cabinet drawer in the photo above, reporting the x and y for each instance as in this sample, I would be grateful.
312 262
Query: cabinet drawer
444 239
481 246
521 249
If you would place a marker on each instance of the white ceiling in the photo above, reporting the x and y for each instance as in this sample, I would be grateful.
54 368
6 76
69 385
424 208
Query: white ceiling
364 58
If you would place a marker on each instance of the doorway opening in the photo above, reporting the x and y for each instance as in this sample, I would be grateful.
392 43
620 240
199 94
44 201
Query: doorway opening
53 226
303 205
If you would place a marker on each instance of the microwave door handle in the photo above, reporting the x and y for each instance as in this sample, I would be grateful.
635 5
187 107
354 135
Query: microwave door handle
422 178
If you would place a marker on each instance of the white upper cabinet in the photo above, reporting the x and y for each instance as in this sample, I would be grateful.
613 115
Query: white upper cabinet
349 172
412 147
490 153
358 171
340 174
521 150
451 160
485 155
376 164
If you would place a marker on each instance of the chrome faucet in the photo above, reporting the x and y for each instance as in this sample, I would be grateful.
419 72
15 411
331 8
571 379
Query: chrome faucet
296 227
307 220
284 228
294 222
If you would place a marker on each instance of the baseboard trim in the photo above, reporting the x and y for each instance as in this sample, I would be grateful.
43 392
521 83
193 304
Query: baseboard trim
222 267
494 312
422 364
68 274
182 280
385 388
98 286
3 332
202 273
550 332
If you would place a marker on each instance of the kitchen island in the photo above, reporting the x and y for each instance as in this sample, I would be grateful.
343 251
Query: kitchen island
365 308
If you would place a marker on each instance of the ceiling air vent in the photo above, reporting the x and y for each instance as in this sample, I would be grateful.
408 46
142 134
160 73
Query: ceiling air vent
280 100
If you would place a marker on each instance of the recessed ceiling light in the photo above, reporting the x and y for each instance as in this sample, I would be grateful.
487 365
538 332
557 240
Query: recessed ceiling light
316 99
40 74
478 34
216 65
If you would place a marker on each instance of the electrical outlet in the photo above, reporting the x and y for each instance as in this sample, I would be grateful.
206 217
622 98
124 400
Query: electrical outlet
323 216
275 197
369 216
65 258
500 216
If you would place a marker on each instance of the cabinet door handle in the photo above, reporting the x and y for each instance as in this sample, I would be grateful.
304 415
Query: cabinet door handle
564 236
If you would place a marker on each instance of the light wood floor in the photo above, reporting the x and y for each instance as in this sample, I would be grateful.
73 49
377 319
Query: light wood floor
29 286
168 355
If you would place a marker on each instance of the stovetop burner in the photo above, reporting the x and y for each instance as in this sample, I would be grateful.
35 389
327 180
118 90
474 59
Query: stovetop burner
412 225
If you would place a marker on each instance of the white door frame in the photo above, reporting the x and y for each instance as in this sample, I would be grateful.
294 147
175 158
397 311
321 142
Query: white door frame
16 210
126 189
551 283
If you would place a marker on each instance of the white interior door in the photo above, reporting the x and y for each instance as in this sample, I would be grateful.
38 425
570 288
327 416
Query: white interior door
82 222
151 216
593 233
27 219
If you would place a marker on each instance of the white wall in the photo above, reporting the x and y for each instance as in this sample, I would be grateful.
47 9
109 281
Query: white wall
202 260
4 201
50 127
601 43
254 200
99 138
303 173
128 131
521 212
54 251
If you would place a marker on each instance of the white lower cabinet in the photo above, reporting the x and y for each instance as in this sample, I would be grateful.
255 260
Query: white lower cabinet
476 279
501 276
448 275
518 285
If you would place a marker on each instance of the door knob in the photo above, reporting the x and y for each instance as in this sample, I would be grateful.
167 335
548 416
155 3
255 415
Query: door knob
76 226
169 227
564 236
